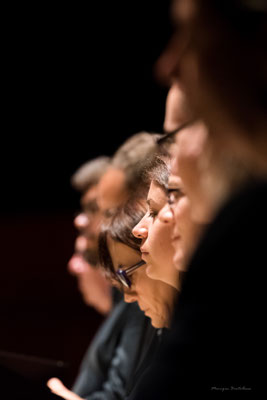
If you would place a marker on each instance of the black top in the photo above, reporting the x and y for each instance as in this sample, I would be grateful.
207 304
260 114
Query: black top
123 345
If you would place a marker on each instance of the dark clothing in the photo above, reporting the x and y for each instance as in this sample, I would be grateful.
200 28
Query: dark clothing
145 364
120 349
216 340
14 386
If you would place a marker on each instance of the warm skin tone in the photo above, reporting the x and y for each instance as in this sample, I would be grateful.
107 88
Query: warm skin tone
155 298
98 201
111 190
192 164
92 284
176 110
212 85
185 232
156 247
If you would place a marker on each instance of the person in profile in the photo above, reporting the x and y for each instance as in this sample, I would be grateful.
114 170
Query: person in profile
219 55
107 369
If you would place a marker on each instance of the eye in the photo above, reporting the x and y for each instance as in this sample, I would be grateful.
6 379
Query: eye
152 214
174 195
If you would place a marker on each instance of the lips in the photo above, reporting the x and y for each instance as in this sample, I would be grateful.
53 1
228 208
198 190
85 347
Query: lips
144 256
143 251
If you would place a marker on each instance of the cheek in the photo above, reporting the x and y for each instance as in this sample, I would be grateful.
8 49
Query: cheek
160 238
141 281
182 212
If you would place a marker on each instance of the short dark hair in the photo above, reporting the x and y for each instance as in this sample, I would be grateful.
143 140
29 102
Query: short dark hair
119 228
156 169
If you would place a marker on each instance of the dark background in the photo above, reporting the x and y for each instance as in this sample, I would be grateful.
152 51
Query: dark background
77 82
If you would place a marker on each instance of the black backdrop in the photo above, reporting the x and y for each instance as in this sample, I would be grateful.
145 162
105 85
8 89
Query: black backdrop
77 82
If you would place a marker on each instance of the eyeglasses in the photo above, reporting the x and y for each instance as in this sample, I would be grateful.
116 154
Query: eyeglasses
123 274
169 137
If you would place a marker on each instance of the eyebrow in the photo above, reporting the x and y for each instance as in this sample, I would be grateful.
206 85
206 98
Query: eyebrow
152 202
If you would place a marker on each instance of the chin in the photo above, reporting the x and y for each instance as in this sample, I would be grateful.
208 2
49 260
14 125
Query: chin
159 323
150 271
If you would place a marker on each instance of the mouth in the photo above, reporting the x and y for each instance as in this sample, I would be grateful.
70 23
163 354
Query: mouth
143 251
144 256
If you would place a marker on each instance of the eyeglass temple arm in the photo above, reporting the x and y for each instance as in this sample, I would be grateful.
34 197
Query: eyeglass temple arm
135 266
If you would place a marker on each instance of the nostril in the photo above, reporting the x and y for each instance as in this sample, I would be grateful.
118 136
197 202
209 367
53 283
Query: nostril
142 232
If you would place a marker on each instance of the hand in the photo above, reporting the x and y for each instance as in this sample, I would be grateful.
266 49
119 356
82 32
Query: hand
57 387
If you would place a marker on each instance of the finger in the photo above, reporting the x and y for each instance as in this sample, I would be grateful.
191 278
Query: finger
57 387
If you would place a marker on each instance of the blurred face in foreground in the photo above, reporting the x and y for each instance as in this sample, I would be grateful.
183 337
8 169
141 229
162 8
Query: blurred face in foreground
190 163
220 69
154 297
177 214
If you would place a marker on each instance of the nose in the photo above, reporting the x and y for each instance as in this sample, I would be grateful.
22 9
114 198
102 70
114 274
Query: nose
140 231
129 297
166 214
81 221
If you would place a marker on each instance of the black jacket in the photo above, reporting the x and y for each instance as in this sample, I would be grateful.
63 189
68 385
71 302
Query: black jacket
123 345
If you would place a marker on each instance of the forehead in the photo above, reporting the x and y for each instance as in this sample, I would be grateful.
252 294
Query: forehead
89 195
156 193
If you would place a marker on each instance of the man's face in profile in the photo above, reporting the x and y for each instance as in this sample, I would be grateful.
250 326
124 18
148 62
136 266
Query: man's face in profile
88 224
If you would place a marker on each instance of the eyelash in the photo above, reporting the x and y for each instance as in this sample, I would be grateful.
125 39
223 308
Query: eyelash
153 214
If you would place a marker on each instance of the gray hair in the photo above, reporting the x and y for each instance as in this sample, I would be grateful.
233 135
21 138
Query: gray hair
89 173
135 149
132 153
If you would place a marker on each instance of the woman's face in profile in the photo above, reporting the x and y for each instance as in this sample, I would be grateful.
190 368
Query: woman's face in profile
155 298
156 247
